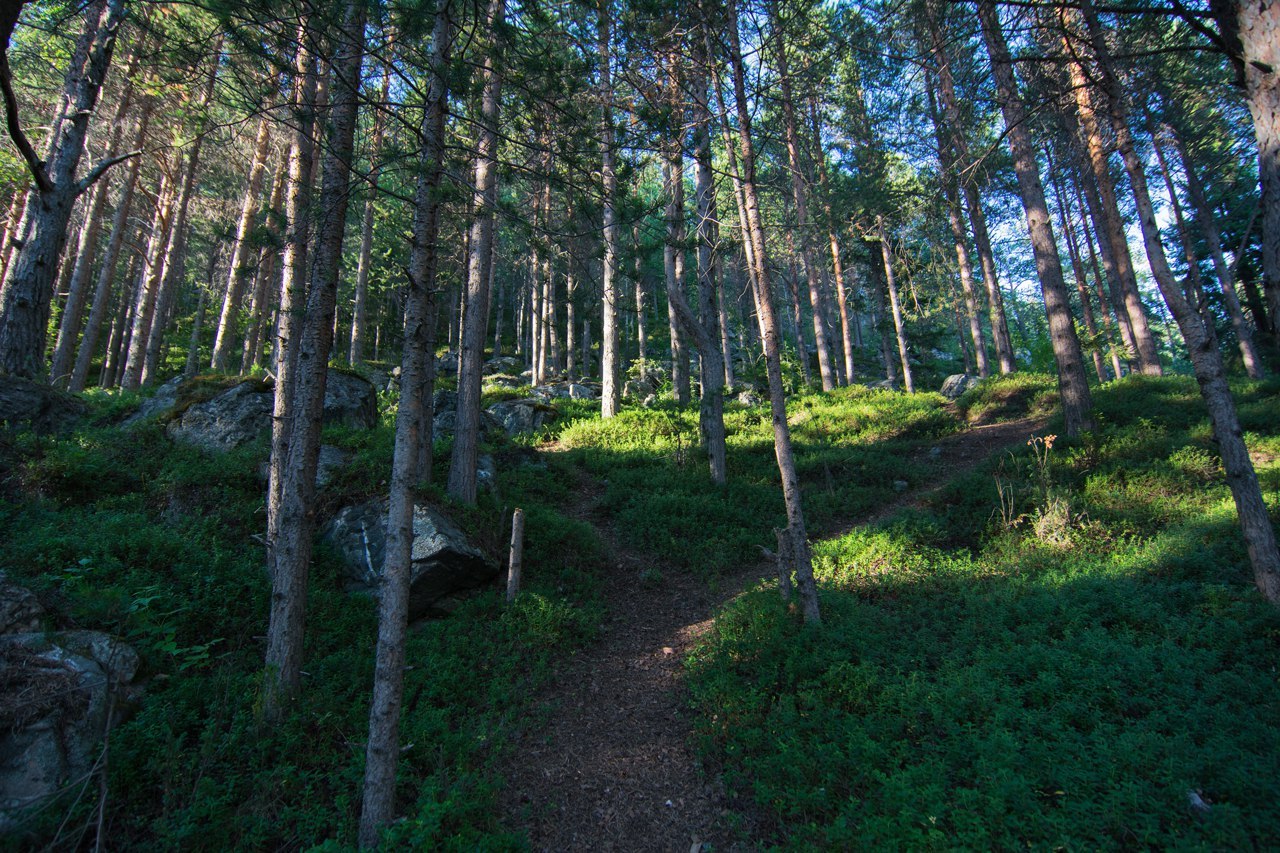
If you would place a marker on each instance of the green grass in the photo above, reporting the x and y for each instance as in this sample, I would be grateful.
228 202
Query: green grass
126 532
1060 675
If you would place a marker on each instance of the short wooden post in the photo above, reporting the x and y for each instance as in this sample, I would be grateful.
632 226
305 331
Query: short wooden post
517 554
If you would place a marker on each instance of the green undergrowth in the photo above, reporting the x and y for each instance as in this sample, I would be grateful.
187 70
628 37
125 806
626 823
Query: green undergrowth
123 531
1060 651
851 446
1010 396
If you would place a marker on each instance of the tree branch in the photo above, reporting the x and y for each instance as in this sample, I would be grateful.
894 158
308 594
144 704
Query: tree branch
15 127
101 169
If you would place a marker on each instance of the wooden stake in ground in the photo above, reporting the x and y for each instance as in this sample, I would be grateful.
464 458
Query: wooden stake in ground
517 554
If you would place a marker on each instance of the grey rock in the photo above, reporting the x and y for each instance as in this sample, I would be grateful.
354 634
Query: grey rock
638 389
955 385
34 405
502 364
521 416
883 385
20 610
444 401
749 398
81 681
350 400
486 473
444 563
447 363
445 422
160 403
900 485
235 417
241 414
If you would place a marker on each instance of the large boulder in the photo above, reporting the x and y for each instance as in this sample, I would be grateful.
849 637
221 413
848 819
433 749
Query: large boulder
444 423
235 417
503 364
350 400
955 385
240 414
444 563
34 405
571 390
61 693
522 416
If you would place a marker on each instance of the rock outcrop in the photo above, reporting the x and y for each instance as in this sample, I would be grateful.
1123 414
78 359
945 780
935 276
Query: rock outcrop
444 562
34 405
955 385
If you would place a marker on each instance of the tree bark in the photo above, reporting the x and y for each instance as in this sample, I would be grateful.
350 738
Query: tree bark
895 306
1112 240
1226 280
753 229
1072 384
283 661
1077 270
356 353
152 276
466 438
28 284
611 391
800 195
413 418
673 266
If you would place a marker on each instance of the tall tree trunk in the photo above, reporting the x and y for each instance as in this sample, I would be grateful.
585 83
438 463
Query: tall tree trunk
960 147
1111 227
462 467
78 287
895 306
242 250
753 229
117 339
673 266
28 284
101 305
875 268
264 296
153 275
175 269
1226 280
1077 270
356 353
413 421
1072 384
610 390
289 551
946 160
283 660
1251 30
799 194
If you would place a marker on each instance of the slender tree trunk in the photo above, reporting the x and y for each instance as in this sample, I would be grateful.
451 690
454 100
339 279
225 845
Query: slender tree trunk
27 291
358 309
242 249
800 195
753 229
462 468
1226 280
413 418
264 295
283 660
149 282
642 310
673 265
1116 244
117 338
1077 402
1077 269
895 305
611 391
875 267
197 326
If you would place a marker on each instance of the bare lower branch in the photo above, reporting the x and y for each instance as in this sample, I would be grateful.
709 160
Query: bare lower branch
15 127
101 169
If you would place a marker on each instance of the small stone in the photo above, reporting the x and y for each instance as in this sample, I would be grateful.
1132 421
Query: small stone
667 650
899 485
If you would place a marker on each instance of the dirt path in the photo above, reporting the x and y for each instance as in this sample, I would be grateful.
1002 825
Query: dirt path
614 767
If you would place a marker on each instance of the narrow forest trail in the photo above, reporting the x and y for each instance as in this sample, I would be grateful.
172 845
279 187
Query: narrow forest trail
614 766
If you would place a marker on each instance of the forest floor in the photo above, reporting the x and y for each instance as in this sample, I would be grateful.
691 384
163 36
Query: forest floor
614 766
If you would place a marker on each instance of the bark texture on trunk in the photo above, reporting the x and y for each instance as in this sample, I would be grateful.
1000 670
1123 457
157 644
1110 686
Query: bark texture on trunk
611 390
355 354
895 306
1077 402
27 291
462 467
413 421
243 251
753 229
